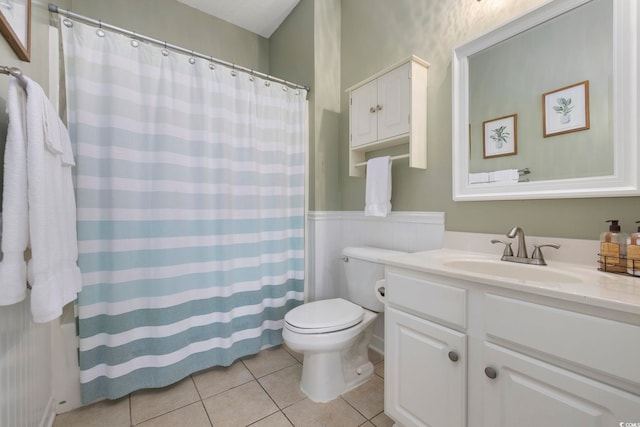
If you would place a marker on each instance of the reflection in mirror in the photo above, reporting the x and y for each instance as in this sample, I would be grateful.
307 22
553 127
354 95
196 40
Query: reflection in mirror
510 77
568 71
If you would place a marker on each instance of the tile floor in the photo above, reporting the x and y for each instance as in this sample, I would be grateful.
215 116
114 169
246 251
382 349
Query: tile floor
259 391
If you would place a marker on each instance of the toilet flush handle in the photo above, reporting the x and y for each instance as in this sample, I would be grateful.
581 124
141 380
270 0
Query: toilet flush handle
345 258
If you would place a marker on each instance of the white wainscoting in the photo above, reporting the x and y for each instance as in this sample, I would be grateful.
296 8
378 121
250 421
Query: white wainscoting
330 231
25 368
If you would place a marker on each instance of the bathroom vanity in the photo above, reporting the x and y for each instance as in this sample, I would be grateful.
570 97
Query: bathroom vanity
474 341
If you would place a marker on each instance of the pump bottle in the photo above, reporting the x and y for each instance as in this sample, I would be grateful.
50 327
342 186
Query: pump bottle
613 248
633 253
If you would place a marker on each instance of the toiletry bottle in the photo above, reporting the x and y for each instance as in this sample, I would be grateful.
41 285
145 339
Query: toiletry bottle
633 253
613 249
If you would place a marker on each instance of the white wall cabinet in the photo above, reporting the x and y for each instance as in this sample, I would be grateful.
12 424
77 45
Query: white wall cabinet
389 109
523 360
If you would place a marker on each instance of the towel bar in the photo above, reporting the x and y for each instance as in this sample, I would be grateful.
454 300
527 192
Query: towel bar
13 71
392 158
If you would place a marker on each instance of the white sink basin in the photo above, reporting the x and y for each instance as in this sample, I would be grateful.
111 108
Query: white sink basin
509 270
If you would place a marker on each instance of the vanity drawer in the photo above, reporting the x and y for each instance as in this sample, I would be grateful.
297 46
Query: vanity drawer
603 345
427 298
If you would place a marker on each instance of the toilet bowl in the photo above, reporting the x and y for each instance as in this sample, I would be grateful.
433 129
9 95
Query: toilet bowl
334 334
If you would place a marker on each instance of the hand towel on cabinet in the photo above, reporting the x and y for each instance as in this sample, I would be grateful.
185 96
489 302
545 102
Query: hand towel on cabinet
378 187
52 270
15 223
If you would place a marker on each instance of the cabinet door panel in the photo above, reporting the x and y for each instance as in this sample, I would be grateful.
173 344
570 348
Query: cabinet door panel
423 386
363 120
394 100
530 393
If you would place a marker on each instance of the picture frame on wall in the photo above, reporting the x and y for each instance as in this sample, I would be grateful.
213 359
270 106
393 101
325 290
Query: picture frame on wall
500 136
15 26
566 109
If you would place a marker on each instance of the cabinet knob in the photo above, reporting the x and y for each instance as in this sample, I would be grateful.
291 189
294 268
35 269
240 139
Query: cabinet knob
490 372
453 356
378 107
372 109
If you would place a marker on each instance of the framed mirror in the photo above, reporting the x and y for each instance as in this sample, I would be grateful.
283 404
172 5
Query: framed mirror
568 70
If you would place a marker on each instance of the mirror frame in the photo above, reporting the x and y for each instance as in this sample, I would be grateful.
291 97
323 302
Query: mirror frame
625 180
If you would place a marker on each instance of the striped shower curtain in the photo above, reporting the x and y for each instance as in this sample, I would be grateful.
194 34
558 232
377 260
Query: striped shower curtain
190 193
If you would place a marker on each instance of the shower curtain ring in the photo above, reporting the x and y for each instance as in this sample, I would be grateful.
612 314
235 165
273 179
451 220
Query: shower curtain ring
192 60
165 51
134 42
212 66
251 78
100 32
233 70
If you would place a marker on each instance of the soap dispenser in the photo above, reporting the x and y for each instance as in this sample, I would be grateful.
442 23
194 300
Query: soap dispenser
633 253
613 249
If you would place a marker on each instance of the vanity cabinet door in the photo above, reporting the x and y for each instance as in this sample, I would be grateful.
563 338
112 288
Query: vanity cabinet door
425 372
522 391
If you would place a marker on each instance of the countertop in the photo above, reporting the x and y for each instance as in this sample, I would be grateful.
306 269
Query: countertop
586 285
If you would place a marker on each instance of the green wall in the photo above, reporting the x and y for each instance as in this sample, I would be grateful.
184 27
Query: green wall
331 45
183 26
306 50
378 33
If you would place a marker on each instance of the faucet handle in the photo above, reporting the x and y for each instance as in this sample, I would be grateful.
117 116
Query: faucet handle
537 252
507 247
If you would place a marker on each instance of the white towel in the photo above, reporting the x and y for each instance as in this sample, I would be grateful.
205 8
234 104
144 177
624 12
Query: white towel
15 223
504 176
52 270
479 177
378 187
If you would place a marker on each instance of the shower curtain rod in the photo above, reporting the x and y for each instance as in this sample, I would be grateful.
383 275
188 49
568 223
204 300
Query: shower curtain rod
55 9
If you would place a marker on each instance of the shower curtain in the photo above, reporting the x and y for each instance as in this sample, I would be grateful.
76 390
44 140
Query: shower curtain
190 202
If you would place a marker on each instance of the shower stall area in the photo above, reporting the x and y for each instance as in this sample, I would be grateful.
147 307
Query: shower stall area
190 184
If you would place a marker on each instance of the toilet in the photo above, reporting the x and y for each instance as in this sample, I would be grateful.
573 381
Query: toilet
334 334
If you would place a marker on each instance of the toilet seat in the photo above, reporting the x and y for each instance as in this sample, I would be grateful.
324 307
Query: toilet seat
324 316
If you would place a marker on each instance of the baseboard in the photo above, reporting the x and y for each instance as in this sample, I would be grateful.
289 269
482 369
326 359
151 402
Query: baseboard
49 415
377 344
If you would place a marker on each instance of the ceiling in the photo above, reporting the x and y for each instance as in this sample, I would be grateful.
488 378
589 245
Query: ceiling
262 17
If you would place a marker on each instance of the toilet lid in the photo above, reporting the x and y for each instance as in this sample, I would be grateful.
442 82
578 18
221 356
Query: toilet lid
324 316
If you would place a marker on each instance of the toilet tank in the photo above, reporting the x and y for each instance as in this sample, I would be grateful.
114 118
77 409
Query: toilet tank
363 270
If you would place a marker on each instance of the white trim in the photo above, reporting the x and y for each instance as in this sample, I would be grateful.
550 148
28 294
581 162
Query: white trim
377 344
399 217
49 416
625 180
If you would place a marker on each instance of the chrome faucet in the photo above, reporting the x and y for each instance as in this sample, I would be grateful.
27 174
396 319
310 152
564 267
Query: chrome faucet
522 246
521 256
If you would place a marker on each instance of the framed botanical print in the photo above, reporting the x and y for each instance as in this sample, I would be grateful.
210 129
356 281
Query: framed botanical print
566 109
500 137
